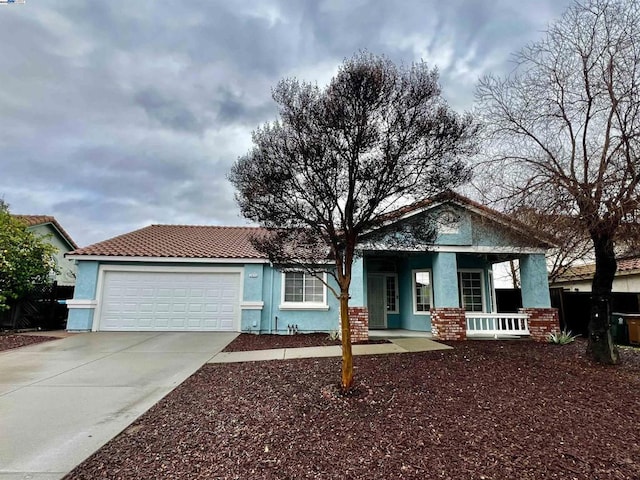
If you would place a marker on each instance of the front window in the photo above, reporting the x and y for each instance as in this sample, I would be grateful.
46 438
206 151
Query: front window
471 290
303 290
421 291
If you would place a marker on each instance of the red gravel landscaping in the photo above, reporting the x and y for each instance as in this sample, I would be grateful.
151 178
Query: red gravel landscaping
8 341
484 410
246 341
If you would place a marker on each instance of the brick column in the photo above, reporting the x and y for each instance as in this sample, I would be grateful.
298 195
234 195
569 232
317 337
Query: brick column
448 323
542 322
359 321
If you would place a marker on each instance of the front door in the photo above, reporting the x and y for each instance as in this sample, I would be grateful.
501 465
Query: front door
377 301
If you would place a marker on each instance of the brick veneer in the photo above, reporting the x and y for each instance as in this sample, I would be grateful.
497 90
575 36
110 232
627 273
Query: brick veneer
448 323
359 321
542 322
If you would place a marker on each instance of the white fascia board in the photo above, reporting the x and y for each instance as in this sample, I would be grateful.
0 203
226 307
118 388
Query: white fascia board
487 249
107 258
81 303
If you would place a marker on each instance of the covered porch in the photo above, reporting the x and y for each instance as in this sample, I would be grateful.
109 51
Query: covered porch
450 294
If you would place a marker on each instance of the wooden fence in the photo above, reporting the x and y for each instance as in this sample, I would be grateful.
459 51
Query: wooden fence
42 309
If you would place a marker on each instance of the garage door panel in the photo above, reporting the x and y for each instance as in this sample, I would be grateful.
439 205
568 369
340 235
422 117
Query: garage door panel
169 301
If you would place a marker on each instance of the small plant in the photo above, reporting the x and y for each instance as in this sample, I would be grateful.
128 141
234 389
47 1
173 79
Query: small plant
562 338
334 335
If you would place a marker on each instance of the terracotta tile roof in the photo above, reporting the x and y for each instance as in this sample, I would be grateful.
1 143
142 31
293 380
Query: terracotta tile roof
33 220
626 266
186 241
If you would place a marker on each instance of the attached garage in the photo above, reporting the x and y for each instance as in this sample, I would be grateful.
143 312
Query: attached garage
170 300
171 278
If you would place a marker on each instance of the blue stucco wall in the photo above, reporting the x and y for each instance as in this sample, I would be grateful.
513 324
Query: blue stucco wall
464 235
276 319
86 280
252 291
534 281
81 319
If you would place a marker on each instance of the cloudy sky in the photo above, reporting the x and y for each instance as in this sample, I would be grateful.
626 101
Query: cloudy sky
118 114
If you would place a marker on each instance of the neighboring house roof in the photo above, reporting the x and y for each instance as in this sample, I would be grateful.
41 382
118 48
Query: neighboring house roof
34 220
173 241
503 219
626 266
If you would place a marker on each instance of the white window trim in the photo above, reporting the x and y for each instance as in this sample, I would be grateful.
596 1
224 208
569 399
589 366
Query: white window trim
482 287
303 305
414 298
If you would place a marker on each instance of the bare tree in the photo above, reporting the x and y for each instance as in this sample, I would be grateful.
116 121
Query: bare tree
572 242
339 158
565 131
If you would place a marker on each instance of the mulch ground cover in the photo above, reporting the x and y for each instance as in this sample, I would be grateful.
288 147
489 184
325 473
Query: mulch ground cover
8 341
484 410
246 341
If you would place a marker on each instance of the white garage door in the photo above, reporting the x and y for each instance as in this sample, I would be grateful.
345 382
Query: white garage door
170 301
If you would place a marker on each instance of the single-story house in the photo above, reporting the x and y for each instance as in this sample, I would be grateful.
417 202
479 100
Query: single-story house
180 277
578 278
51 231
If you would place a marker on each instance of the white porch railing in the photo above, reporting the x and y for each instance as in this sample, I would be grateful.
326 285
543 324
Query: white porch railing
497 324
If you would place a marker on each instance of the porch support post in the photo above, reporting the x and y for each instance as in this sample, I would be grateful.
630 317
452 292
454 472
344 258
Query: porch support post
445 280
358 310
358 287
448 321
536 300
534 281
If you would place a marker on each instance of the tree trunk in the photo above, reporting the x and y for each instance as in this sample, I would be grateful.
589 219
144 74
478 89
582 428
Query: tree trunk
600 346
513 271
347 356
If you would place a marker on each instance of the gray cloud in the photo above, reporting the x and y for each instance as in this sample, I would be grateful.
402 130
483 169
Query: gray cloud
119 114
167 111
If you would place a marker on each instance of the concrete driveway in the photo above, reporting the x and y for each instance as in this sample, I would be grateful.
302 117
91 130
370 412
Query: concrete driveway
62 400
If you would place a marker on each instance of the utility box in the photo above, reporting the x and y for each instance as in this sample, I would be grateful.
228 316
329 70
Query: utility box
619 330
625 328
633 324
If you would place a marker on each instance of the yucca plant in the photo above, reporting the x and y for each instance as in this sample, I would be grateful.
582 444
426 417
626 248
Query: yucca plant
561 338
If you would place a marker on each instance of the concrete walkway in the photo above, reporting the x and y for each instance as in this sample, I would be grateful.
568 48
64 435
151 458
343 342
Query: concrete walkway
62 400
397 345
